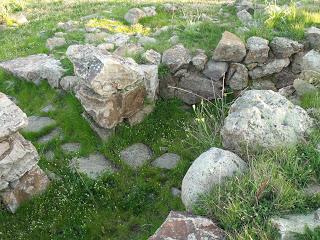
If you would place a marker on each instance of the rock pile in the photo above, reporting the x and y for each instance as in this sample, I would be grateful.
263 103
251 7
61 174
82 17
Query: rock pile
21 178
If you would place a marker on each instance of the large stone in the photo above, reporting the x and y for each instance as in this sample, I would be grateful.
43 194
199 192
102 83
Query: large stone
134 15
69 83
136 155
215 70
151 81
37 124
152 57
209 169
12 118
238 76
199 60
296 62
97 37
166 161
230 48
303 87
311 67
274 66
245 18
54 134
145 40
284 47
290 225
258 50
55 42
35 68
17 160
263 84
104 74
69 26
141 115
118 39
32 183
313 37
93 166
70 148
149 11
129 49
185 226
176 58
264 119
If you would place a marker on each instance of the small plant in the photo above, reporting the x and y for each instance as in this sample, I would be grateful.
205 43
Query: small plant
163 71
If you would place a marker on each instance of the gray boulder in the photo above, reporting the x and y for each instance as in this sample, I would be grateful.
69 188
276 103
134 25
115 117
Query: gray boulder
55 42
215 70
274 66
118 39
167 161
69 83
303 87
149 11
284 47
151 81
313 37
134 15
199 60
176 58
36 124
35 68
152 57
245 18
237 77
54 134
97 37
264 119
129 49
258 50
209 169
136 155
71 147
145 40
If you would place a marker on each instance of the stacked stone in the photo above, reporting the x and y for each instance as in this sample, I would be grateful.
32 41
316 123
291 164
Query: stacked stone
20 176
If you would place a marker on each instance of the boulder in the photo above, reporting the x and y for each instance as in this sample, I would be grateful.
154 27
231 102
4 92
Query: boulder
97 37
176 58
284 47
118 39
169 7
106 46
35 68
296 62
136 155
152 57
144 40
230 48
258 50
311 67
19 18
166 161
174 40
237 77
54 134
215 70
264 119
284 78
129 49
134 15
313 37
37 124
199 60
12 119
244 5
55 42
68 26
69 83
274 66
151 81
32 183
303 87
149 11
183 226
245 18
263 84
209 169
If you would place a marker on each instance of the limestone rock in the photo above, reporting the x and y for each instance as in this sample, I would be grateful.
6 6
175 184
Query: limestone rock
258 50
12 119
313 37
303 87
311 67
151 81
183 226
284 47
152 57
199 60
209 169
176 58
55 42
238 76
230 48
33 182
167 161
36 124
69 83
215 70
35 68
245 18
93 166
264 119
133 15
263 84
136 155
269 68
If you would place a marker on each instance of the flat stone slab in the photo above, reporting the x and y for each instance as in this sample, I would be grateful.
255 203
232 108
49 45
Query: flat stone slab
94 165
136 155
69 148
35 68
36 124
54 134
12 118
167 161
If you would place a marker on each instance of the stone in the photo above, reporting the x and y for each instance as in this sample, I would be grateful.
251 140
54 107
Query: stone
60 34
17 160
141 115
274 66
199 60
37 124
152 57
129 49
244 5
93 166
54 134
91 16
258 50
151 81
284 78
263 84
312 189
134 15
176 58
313 37
284 47
193 87
35 68
55 42
176 192
32 183
264 119
68 26
12 119
166 161
48 108
144 40
183 226
136 155
209 169
169 7
296 62
230 48
106 46
69 83
70 148
245 18
311 67
303 87
19 18
290 225
174 40
149 11
96 37
237 77
118 39
287 91
215 70
4 146
50 156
